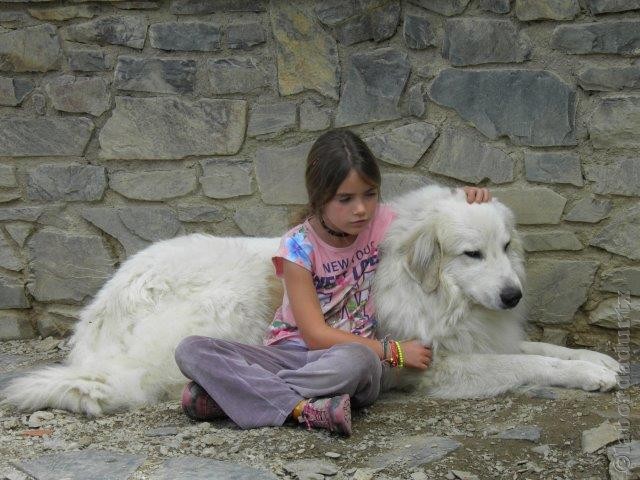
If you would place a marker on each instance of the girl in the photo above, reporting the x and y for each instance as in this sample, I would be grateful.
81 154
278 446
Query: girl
320 355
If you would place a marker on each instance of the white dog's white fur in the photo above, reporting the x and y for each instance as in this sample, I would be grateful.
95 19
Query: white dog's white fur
426 288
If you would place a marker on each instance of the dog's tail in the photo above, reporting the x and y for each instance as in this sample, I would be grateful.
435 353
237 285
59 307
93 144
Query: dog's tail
76 388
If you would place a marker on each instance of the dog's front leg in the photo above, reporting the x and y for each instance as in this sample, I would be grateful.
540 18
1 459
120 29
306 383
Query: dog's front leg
485 375
549 350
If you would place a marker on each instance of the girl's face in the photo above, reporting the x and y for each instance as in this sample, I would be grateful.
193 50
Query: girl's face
353 206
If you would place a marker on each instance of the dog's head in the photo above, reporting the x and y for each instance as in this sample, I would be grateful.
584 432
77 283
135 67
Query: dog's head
474 248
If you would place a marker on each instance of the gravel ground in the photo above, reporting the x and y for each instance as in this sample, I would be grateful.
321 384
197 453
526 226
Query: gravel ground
404 435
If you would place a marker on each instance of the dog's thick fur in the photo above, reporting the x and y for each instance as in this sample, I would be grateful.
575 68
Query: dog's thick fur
426 288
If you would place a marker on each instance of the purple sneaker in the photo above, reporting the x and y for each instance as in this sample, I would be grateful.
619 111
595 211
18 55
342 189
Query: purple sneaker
333 414
198 405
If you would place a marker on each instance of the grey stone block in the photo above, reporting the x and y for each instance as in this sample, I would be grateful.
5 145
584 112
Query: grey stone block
166 127
79 94
190 7
615 122
374 82
589 210
13 90
31 49
422 449
313 117
416 99
333 12
496 6
158 75
557 288
66 182
609 78
620 235
19 232
619 176
222 179
150 223
236 75
295 36
404 145
620 37
607 6
376 24
245 35
274 118
418 32
626 279
472 41
153 185
553 167
12 294
66 266
197 468
531 107
8 176
546 9
9 259
109 221
532 206
27 214
554 240
463 157
14 326
58 321
261 221
443 7
62 13
185 36
280 174
129 31
83 464
44 136
88 59
204 213
396 184
617 313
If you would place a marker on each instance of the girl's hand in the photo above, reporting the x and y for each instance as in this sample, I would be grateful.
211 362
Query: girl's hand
477 195
416 355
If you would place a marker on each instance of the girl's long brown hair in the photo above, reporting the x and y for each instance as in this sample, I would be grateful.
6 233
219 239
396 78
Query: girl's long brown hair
332 156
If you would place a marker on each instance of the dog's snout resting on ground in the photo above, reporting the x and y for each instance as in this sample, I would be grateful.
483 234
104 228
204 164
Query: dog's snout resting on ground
450 274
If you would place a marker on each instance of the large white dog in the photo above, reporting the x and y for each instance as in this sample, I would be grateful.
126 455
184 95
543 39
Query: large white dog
450 274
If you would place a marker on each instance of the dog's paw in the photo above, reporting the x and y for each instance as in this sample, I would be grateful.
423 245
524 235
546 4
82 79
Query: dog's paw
596 358
591 377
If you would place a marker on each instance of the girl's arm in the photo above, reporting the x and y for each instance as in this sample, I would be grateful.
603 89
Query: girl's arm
318 335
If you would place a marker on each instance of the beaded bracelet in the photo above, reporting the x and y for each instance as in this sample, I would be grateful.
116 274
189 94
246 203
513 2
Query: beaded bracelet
394 354
400 355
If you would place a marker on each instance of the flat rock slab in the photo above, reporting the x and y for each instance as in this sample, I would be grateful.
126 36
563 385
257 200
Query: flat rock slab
129 31
44 136
196 468
621 234
82 465
531 107
404 145
171 128
600 436
615 122
415 451
621 37
32 49
589 210
280 174
443 7
529 433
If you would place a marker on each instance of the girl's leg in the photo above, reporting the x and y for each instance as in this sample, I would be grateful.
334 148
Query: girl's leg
349 368
242 378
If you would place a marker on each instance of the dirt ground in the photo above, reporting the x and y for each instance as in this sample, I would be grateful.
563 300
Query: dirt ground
390 439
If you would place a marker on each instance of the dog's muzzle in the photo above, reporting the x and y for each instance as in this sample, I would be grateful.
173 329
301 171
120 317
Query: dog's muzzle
510 297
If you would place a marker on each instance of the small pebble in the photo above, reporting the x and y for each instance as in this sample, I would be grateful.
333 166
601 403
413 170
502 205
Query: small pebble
332 455
38 419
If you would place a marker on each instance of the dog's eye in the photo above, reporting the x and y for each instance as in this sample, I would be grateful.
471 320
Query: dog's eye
506 245
474 254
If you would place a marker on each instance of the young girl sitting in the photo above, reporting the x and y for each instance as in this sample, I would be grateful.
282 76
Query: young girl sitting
320 355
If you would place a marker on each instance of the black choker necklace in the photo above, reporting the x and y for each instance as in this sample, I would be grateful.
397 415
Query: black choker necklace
332 232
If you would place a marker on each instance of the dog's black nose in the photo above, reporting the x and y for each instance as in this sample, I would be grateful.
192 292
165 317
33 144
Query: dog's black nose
510 297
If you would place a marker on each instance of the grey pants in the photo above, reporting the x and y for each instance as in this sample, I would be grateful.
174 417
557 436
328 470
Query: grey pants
259 385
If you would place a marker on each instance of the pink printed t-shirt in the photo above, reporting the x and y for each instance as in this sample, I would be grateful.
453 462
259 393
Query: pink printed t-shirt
342 277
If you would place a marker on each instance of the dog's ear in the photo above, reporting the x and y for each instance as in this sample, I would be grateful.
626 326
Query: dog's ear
422 255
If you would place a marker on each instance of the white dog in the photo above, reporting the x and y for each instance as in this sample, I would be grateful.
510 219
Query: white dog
450 275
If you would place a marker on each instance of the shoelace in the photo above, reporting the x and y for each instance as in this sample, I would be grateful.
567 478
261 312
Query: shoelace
315 414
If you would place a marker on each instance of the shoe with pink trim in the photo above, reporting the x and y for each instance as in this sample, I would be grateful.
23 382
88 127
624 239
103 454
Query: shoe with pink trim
333 414
198 405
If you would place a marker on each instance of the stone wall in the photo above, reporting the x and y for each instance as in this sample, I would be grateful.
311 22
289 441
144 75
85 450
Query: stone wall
123 123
